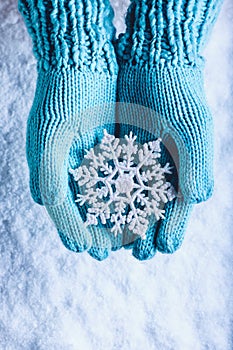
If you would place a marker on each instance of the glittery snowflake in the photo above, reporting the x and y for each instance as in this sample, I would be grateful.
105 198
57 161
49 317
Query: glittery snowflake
123 183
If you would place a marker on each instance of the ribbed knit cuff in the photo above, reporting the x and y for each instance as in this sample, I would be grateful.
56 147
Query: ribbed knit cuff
167 31
71 33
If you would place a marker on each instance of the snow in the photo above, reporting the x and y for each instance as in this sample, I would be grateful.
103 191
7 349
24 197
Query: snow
51 298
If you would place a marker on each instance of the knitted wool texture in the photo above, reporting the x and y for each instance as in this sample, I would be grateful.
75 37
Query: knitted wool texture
76 87
161 67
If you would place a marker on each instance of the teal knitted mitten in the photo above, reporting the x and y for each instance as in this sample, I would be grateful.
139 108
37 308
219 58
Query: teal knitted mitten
161 67
74 102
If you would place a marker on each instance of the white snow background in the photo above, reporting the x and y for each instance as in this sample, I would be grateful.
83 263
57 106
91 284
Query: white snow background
53 299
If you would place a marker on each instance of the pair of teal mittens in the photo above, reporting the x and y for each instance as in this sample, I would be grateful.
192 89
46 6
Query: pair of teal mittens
154 71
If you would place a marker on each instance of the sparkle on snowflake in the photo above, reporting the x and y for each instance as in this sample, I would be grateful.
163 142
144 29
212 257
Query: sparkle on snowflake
124 183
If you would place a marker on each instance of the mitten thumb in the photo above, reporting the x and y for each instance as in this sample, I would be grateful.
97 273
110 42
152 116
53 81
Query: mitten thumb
54 164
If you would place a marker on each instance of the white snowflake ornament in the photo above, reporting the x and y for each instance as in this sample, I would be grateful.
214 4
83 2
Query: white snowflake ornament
124 184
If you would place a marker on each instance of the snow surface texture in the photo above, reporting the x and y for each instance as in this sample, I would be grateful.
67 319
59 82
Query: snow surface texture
51 298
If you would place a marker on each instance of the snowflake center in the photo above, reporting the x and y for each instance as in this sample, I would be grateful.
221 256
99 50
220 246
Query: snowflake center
124 183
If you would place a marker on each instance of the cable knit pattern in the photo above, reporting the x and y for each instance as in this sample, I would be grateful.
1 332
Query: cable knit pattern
161 67
67 32
74 99
171 32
